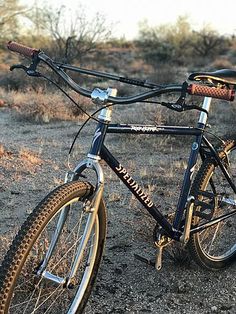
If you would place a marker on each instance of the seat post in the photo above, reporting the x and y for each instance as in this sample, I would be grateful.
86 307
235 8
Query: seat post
206 106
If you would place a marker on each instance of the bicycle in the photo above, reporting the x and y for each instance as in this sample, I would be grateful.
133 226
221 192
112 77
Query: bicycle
53 261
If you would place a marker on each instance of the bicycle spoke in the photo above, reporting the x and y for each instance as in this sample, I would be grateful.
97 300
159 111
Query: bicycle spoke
47 298
54 301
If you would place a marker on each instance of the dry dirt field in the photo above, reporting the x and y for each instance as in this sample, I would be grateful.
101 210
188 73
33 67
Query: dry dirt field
33 160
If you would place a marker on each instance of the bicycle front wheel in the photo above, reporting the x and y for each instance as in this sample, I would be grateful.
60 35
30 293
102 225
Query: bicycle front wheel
22 289
215 247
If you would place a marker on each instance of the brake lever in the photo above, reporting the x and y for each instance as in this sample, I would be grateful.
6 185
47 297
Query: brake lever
173 106
28 70
182 107
180 104
18 66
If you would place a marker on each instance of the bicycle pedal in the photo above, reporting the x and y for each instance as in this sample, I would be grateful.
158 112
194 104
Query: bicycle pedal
144 260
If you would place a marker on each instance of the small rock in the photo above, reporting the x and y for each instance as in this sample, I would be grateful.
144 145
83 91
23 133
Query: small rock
118 271
214 308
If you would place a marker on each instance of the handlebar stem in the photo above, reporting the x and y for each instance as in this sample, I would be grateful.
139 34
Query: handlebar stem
99 96
105 114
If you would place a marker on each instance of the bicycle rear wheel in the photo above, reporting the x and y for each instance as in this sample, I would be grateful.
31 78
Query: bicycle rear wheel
21 289
215 247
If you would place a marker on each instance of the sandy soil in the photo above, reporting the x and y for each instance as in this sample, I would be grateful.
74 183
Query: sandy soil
33 160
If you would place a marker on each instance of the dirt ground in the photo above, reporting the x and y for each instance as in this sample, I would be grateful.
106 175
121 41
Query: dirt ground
33 160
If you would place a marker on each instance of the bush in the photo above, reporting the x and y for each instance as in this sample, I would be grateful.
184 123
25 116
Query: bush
40 107
178 44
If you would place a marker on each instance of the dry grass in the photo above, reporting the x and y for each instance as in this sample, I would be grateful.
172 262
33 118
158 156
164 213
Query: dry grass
2 150
29 157
221 63
23 162
40 106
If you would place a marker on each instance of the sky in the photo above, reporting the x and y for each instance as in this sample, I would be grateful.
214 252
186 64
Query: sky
126 14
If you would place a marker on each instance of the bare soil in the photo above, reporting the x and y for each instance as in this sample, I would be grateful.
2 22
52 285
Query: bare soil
33 160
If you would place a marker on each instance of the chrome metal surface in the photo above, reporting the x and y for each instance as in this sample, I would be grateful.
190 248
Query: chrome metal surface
206 105
92 216
105 114
99 96
49 276
55 236
228 201
87 274
94 157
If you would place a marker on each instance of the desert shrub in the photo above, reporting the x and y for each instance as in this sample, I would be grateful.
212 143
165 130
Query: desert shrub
231 54
166 43
36 106
209 43
16 80
179 44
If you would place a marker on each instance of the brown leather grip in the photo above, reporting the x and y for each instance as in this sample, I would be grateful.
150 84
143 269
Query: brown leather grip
201 90
24 50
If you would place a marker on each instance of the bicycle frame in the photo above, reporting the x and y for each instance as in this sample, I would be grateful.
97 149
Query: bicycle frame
99 151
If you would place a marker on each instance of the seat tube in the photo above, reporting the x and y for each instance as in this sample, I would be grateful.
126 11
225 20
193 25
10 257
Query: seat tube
184 194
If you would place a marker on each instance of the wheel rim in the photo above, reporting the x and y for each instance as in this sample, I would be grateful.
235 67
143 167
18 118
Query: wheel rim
218 242
34 295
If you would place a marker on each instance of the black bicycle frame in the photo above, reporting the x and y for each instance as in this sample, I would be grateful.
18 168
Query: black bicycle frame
174 231
99 150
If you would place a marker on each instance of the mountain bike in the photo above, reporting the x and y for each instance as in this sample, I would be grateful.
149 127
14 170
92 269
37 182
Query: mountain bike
53 261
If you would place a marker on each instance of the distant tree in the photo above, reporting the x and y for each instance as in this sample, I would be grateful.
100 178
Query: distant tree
70 39
208 42
154 46
179 44
166 43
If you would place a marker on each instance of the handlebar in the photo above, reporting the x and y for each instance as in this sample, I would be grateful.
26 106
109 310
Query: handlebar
156 90
24 50
220 93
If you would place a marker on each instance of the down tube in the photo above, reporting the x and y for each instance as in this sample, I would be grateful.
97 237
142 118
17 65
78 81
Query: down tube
133 186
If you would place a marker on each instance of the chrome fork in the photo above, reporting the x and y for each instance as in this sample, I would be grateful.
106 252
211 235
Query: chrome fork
91 208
